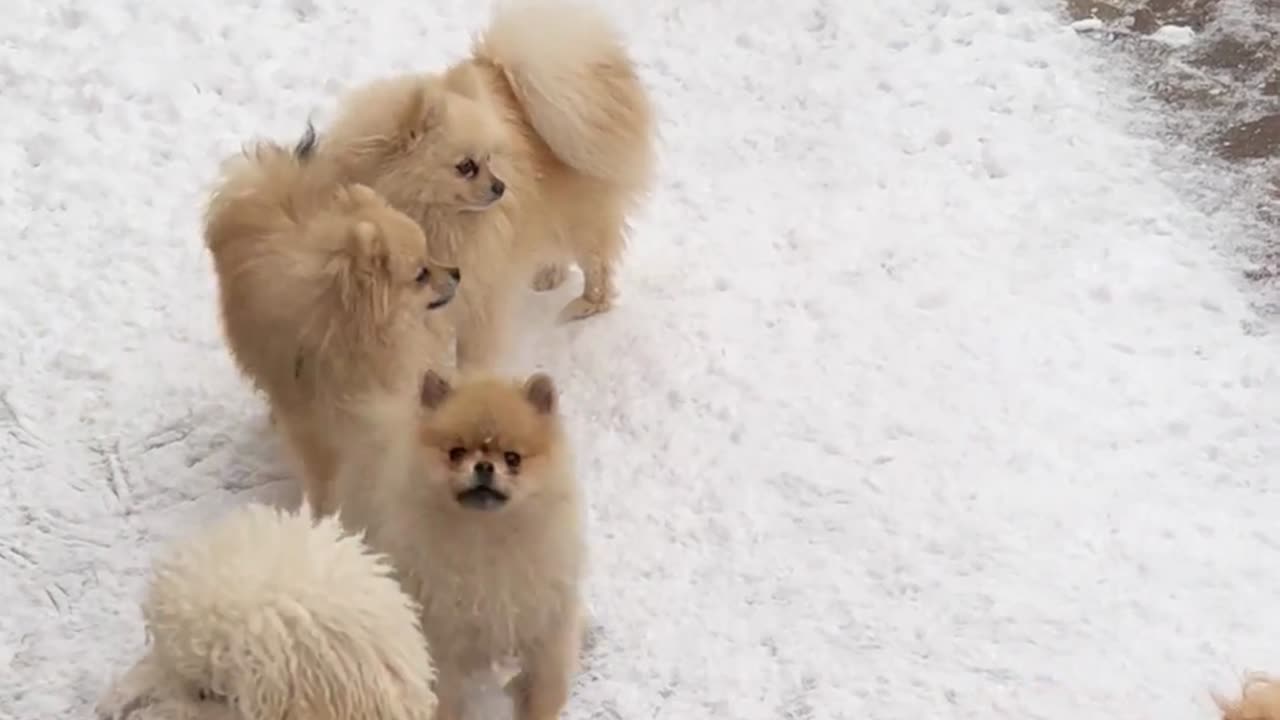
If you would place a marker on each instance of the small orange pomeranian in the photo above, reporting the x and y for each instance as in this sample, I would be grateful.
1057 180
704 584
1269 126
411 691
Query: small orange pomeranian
483 520
531 153
327 298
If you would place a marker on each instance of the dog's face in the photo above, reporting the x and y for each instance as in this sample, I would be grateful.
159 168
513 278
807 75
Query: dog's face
456 147
382 265
490 444
432 146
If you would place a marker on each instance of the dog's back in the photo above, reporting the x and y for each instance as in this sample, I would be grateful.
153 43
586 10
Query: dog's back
282 227
289 617
260 193
256 232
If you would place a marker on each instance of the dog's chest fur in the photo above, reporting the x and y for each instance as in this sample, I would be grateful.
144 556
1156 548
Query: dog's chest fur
487 589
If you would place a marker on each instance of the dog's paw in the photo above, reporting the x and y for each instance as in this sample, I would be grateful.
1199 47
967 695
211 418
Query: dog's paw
550 277
581 308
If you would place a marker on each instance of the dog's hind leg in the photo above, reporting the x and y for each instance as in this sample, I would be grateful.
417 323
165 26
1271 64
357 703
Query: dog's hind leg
550 276
598 249
597 291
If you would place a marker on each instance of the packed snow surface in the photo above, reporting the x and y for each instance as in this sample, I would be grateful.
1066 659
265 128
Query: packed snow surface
928 394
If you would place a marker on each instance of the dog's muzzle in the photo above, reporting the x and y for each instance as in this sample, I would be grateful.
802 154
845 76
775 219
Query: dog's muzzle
482 495
455 277
441 302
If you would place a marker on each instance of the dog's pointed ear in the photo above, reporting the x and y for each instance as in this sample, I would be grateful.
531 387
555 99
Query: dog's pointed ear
365 242
434 390
361 270
368 248
541 393
423 111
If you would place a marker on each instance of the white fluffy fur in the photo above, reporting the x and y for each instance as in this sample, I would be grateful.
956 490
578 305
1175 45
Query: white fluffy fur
267 615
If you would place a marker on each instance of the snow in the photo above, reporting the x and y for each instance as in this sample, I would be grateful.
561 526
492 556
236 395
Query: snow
1088 24
928 396
1174 35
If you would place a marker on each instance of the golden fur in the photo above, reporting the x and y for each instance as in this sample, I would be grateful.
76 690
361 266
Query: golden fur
1259 700
527 155
496 572
325 295
266 615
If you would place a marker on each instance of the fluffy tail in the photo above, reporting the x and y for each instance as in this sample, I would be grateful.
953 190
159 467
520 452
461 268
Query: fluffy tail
257 188
285 616
568 68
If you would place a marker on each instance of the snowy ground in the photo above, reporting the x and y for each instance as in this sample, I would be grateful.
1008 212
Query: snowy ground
929 396
1216 66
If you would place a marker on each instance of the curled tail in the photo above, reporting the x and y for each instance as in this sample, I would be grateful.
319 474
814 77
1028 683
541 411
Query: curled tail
284 616
257 188
566 64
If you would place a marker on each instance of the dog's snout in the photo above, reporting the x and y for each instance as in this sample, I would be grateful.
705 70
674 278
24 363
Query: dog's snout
484 472
498 187
455 273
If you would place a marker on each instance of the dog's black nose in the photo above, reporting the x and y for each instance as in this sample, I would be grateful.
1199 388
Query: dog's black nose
498 188
484 472
455 273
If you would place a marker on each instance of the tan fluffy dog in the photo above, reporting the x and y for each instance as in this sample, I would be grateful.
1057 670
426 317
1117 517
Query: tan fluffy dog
327 297
527 155
1259 700
483 522
266 615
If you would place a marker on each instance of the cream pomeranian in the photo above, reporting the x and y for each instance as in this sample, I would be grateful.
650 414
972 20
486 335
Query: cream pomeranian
483 522
327 298
266 615
527 155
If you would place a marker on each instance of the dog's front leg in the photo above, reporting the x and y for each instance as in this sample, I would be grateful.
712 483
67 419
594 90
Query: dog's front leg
450 693
478 348
481 329
547 667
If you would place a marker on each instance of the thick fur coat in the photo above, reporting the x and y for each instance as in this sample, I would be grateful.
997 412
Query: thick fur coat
483 519
329 303
266 615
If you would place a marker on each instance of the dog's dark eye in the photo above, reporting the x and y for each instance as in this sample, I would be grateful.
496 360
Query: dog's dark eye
513 459
456 454
467 168
423 277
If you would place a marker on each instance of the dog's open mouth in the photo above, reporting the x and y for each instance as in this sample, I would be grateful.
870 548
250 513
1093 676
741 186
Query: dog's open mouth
439 303
482 497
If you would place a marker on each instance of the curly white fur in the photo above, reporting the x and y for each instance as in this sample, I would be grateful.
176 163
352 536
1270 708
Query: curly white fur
267 615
